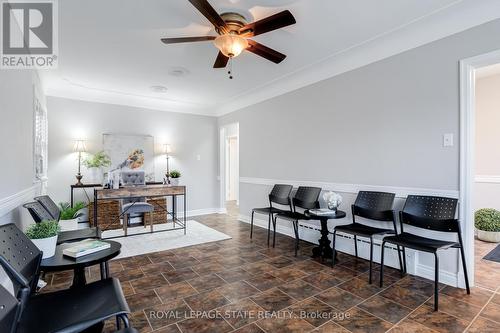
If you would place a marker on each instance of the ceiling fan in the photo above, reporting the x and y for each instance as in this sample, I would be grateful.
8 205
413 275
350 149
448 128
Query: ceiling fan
234 33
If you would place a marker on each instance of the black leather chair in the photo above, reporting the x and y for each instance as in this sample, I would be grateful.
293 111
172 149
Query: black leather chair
305 198
428 213
68 311
375 206
39 214
280 194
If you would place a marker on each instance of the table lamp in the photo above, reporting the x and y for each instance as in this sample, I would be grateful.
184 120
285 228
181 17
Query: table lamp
79 148
167 149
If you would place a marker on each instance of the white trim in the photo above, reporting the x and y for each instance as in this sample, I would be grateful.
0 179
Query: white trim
487 179
10 203
401 192
467 130
203 211
445 277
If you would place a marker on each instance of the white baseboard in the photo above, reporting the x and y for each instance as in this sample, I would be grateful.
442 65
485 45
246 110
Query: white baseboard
14 201
445 277
203 211
401 192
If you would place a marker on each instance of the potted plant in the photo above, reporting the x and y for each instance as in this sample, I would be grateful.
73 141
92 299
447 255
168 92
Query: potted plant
487 222
174 177
95 163
70 216
44 236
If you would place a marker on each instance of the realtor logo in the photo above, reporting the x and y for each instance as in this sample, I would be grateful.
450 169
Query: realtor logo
29 38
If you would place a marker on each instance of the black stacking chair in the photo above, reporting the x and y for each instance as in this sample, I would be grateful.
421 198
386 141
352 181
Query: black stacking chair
376 206
39 214
280 194
428 213
50 206
305 198
70 310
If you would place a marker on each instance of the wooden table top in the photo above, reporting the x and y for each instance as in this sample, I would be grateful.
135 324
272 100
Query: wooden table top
140 191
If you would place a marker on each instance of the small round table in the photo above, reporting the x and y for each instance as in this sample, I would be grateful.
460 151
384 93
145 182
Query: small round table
60 262
324 249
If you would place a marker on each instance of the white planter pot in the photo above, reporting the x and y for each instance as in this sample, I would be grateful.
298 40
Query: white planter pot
96 175
67 225
46 245
174 181
488 236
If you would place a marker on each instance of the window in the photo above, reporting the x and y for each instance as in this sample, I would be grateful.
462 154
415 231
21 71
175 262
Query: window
40 144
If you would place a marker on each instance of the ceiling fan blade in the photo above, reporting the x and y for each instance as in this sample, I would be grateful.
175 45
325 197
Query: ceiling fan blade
265 52
221 61
187 39
273 22
209 12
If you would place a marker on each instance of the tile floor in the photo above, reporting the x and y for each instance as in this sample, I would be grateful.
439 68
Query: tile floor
240 279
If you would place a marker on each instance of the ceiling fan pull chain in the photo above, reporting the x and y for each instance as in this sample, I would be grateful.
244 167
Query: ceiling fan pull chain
230 72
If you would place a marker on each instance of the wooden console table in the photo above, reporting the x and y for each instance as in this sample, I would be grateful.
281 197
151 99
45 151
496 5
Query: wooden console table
135 193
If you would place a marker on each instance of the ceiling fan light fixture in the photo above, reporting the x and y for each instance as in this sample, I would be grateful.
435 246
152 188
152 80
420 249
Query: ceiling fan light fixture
231 45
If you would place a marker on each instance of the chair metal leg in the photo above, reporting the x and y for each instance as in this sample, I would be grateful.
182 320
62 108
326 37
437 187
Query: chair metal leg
464 264
400 262
404 261
462 254
268 228
436 281
355 246
274 231
118 323
251 226
371 260
334 253
125 320
296 230
382 264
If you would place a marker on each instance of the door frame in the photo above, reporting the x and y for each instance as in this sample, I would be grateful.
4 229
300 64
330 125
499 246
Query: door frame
468 68
223 146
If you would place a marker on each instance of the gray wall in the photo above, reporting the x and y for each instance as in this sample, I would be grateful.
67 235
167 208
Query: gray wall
379 125
189 135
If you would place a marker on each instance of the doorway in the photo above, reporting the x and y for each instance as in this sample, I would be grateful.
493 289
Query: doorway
229 162
471 131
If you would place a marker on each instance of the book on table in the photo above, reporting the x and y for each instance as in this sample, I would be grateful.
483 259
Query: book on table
85 247
321 211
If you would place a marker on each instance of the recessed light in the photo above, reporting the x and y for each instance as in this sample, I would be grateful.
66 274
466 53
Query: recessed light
158 89
178 71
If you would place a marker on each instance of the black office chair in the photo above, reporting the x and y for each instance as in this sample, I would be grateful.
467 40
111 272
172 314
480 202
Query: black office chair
39 214
428 213
375 206
280 194
68 311
50 206
305 198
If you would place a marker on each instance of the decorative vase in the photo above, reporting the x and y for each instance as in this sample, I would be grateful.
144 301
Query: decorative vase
46 245
67 225
96 175
174 181
333 200
488 236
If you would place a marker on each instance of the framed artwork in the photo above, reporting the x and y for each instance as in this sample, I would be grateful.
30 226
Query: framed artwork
131 152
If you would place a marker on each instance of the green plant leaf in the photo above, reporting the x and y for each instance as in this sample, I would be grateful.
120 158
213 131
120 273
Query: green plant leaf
487 219
44 229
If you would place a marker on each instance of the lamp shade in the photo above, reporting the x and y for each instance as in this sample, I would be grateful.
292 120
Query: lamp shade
79 146
231 45
167 149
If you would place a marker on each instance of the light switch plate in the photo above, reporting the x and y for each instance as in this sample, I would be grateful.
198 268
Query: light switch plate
448 140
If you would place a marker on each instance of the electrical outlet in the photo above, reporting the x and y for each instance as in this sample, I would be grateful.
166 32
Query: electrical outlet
448 140
198 157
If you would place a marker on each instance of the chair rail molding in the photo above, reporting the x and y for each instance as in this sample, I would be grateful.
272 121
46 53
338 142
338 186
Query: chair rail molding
401 192
490 179
11 202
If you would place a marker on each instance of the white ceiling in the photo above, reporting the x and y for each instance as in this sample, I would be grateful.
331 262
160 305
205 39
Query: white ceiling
110 51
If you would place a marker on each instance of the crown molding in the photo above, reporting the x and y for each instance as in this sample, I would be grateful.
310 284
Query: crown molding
458 17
